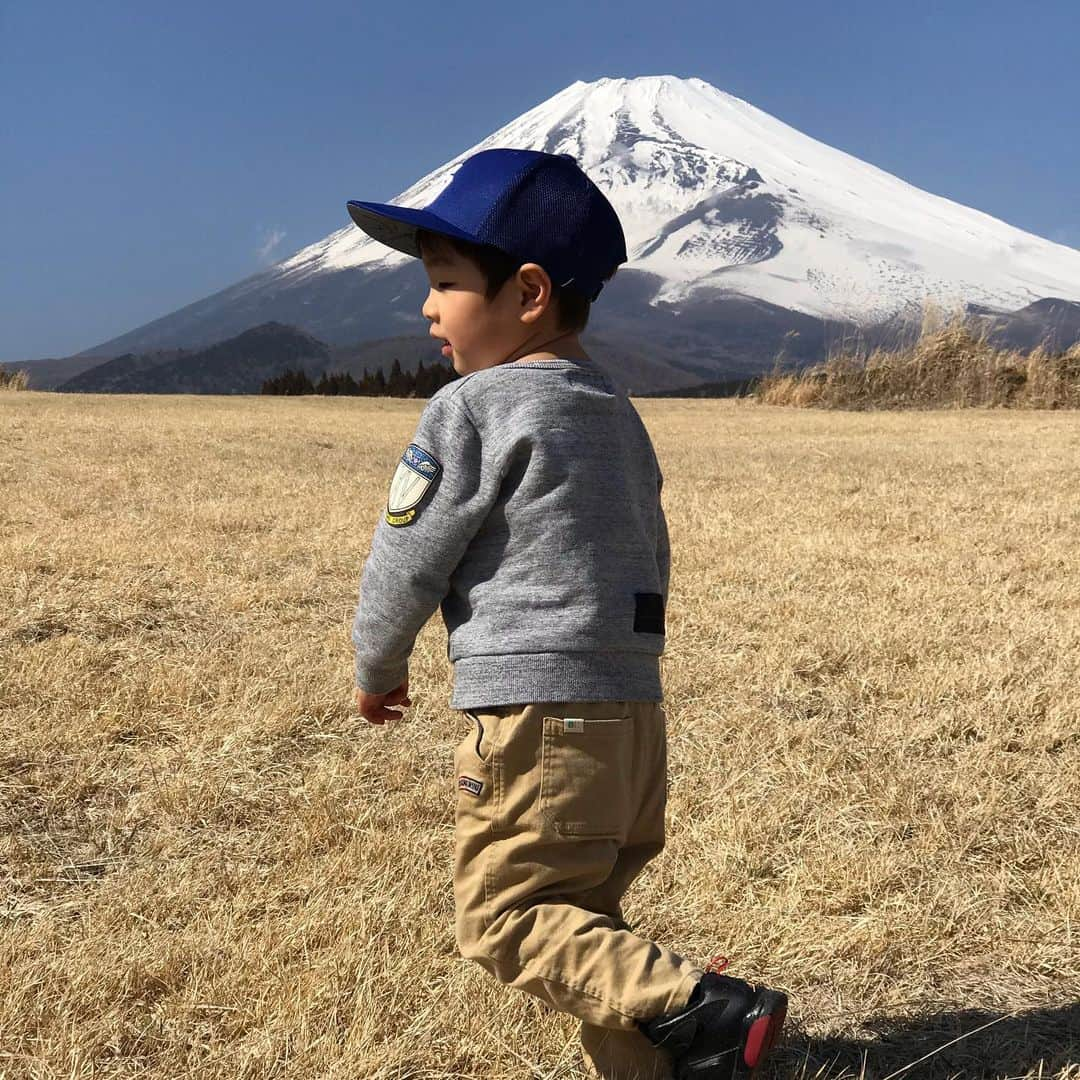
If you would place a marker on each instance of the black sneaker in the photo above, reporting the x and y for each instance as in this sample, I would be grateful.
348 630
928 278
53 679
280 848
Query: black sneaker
726 1029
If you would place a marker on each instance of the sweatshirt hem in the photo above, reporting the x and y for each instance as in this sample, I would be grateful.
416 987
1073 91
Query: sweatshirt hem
519 678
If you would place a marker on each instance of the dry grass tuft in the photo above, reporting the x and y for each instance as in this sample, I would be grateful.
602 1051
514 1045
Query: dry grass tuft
213 869
14 380
950 365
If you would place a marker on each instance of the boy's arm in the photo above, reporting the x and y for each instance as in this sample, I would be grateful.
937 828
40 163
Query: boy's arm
439 496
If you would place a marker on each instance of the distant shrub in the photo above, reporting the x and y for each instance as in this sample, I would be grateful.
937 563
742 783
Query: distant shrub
951 365
14 380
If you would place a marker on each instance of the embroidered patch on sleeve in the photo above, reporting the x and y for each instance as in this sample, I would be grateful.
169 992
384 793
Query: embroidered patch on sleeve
415 474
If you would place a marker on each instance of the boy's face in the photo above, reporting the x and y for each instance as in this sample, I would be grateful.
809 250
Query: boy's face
481 333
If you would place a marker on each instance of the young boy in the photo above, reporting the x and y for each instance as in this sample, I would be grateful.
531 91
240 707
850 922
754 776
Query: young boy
528 508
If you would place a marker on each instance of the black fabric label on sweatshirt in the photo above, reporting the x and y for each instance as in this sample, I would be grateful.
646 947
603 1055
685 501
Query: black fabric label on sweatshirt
648 613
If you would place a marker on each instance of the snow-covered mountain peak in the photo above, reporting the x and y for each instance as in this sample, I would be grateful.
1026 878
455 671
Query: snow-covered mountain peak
717 196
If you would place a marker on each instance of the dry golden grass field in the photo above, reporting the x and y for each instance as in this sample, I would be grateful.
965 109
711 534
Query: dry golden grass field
213 868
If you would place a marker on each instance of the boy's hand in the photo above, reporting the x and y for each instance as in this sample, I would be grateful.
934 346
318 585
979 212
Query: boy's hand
373 707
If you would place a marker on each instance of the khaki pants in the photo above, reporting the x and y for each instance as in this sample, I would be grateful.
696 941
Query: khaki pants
559 806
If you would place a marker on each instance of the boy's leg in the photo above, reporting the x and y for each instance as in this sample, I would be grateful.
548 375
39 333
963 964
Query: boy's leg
612 1054
544 808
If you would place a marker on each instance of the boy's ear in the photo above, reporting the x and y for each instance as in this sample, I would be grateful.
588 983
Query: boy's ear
535 289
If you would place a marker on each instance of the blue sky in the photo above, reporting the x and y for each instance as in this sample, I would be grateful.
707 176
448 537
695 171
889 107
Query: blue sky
153 153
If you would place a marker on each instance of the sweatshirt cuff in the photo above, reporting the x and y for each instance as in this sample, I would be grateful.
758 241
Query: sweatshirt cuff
379 679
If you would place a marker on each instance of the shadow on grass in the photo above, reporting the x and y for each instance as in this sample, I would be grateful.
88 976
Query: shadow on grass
973 1044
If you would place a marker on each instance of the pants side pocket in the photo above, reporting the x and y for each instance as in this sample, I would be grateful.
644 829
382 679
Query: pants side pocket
585 775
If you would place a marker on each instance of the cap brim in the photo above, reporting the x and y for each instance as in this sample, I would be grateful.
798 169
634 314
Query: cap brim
396 226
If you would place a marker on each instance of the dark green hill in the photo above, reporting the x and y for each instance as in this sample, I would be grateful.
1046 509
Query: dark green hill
243 363
239 365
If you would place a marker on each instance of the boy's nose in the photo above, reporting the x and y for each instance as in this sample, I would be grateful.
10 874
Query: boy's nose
428 310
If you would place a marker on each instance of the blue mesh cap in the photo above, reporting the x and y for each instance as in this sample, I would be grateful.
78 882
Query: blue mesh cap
537 207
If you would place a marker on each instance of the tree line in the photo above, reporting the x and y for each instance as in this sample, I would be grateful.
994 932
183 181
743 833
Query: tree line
421 383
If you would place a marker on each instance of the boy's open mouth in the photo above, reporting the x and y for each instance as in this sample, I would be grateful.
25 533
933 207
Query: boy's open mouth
447 349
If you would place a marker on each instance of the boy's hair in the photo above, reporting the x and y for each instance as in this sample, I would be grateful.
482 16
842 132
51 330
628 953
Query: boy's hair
498 268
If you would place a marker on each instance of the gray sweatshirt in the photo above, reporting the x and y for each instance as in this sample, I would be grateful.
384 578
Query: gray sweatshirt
528 507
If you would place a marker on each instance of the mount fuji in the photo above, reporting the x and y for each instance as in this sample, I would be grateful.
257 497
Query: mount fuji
745 237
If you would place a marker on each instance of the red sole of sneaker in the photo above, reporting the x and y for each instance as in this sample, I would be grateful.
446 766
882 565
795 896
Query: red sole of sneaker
762 1036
